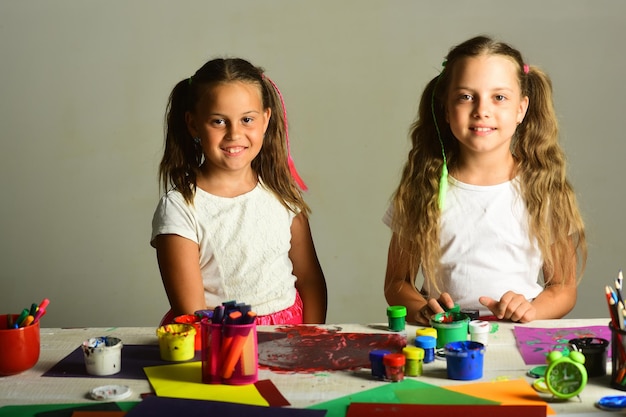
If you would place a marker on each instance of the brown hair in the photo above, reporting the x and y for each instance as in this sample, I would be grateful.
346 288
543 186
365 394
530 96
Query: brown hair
182 157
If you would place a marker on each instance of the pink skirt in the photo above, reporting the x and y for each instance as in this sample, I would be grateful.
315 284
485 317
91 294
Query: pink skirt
290 315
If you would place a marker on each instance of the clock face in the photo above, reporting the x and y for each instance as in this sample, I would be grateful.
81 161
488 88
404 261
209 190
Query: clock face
566 379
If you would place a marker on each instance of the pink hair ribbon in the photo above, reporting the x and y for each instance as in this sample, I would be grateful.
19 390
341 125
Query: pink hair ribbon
292 165
526 68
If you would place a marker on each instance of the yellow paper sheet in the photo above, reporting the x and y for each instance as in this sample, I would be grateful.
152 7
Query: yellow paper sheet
512 392
184 380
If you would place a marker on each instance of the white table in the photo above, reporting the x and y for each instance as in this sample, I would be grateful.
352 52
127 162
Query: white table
502 360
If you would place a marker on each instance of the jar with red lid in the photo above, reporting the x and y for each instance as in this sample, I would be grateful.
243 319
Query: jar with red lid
394 366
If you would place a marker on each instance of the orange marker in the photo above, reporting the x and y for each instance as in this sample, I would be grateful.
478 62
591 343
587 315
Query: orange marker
27 321
234 353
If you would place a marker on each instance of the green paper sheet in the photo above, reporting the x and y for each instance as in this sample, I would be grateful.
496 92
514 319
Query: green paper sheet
31 410
408 391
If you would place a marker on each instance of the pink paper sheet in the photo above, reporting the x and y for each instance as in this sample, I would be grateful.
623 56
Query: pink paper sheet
534 343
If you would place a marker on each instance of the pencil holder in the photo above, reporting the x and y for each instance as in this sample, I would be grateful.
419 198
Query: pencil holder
229 353
618 358
19 347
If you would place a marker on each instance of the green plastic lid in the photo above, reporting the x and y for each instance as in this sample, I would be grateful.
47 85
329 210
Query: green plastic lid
396 311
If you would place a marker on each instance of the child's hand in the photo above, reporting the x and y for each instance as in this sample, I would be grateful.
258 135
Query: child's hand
434 306
512 306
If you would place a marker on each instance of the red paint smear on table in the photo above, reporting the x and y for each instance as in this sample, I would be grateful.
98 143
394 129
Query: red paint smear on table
306 349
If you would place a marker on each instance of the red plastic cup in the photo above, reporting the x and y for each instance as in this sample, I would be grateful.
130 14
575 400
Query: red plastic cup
20 347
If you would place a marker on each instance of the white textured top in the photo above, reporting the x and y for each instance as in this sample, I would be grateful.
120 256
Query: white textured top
486 248
244 245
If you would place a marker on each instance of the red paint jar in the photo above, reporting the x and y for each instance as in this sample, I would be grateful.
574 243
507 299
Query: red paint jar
394 366
195 322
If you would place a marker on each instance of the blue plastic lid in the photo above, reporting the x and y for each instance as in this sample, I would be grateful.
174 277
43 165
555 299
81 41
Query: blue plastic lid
378 354
425 342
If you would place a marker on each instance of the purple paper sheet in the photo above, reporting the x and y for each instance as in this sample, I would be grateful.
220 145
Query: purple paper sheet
167 407
534 343
134 359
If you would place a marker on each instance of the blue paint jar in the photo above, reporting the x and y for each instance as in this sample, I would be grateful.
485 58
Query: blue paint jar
427 343
464 360
377 365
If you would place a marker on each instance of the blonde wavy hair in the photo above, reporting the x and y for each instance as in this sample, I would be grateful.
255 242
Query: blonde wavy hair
554 218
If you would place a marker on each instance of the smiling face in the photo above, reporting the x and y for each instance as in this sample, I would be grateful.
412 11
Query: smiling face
484 104
230 121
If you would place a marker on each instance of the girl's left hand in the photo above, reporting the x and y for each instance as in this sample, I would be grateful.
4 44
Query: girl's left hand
512 306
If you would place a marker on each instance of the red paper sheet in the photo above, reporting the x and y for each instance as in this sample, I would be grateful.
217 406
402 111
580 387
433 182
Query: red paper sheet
387 410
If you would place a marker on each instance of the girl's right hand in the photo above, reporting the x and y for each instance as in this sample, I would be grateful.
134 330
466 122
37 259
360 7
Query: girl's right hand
434 306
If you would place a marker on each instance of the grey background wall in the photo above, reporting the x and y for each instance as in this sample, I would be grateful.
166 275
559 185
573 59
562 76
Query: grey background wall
83 89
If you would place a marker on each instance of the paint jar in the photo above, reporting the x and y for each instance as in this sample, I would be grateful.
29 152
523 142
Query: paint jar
618 358
396 316
229 353
376 360
479 331
451 327
394 367
464 360
595 351
427 343
472 314
176 342
414 359
195 322
20 347
426 331
103 355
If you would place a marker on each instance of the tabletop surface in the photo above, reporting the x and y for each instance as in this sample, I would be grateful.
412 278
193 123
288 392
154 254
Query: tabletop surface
502 360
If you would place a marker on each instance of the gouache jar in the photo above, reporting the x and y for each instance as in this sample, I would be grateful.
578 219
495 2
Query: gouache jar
414 359
176 342
451 327
195 322
464 360
394 367
396 316
103 355
595 351
376 360
479 331
427 343
426 331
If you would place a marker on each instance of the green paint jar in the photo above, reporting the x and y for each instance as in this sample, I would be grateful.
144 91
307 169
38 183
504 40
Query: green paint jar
451 327
396 316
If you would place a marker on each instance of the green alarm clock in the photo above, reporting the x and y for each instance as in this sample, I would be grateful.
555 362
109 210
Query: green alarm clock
566 375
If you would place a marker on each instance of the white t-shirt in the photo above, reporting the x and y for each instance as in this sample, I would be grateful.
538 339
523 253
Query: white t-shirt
486 249
244 245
